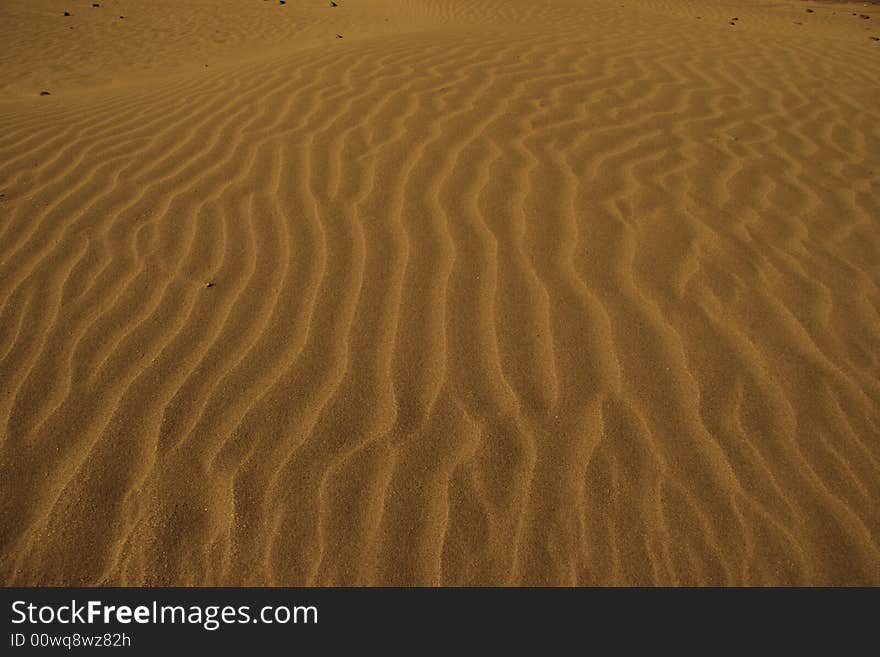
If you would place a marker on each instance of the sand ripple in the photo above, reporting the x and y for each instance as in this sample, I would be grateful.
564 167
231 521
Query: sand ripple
514 293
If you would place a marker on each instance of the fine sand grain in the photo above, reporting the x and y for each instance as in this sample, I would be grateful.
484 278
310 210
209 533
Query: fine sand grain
439 292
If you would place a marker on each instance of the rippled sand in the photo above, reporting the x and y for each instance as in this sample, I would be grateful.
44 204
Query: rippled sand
482 292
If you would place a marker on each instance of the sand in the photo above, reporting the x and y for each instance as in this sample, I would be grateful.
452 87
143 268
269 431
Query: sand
420 292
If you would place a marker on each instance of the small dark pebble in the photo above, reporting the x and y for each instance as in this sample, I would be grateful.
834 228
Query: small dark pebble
210 285
732 23
45 93
67 13
95 4
874 38
122 17
282 2
338 36
809 11
864 17
797 22
333 4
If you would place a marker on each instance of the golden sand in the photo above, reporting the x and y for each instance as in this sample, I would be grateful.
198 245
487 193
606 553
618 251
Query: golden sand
439 292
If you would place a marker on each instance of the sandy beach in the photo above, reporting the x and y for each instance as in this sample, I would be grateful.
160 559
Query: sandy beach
439 292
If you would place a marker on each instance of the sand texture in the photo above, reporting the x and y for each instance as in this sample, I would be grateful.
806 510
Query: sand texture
439 292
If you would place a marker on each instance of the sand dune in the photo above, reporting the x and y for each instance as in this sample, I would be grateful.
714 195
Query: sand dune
500 292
